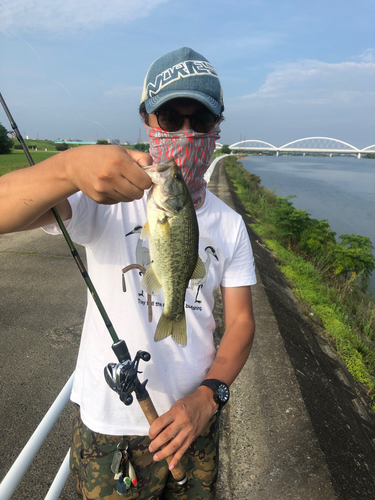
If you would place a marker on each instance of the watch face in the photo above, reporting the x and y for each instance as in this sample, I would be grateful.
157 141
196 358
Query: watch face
223 393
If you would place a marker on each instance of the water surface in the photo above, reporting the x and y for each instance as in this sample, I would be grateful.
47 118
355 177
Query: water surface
339 189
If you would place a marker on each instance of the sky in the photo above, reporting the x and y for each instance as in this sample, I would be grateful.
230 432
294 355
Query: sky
289 69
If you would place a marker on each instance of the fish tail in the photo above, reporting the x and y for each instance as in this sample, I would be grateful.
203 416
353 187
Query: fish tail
167 326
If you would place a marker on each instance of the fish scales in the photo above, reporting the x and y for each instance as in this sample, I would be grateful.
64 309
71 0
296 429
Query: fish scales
173 233
175 262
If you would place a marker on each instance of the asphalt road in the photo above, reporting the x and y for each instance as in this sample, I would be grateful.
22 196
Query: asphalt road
42 306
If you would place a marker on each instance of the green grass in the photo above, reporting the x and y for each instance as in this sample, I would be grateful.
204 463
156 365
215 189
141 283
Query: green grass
18 160
345 311
50 145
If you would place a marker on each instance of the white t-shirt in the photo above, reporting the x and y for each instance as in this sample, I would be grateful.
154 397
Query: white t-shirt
111 234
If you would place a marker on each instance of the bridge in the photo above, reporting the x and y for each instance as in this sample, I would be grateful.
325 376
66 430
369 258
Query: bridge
323 145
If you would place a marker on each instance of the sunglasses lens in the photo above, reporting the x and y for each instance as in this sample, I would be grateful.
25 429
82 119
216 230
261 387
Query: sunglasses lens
203 121
170 120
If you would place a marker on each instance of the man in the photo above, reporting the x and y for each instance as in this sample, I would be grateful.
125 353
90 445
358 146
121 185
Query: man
99 191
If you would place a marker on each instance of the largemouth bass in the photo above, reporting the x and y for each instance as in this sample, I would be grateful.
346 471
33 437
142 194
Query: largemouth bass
172 230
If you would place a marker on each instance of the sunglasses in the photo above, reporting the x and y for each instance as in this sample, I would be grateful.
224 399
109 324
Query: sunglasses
171 120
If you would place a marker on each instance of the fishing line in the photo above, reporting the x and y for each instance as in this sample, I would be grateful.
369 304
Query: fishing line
73 103
80 114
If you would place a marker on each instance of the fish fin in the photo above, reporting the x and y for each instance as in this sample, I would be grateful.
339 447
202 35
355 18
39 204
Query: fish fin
199 271
167 326
145 233
150 283
165 227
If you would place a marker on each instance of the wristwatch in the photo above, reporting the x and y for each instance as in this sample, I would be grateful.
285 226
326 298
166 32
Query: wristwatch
221 391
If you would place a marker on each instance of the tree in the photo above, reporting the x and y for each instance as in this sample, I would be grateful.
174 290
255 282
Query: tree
225 150
6 144
142 146
290 222
354 256
62 147
102 141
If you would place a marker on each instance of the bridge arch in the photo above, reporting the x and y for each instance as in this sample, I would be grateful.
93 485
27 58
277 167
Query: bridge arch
252 144
318 143
370 148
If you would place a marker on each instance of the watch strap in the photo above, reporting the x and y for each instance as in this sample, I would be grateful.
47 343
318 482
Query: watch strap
214 384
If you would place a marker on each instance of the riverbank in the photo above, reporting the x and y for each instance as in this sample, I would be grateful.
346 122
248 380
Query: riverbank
313 263
269 421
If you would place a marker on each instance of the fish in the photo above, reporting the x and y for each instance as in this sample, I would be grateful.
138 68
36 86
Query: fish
173 234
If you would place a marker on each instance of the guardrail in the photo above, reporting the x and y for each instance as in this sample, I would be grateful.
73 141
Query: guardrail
207 175
27 455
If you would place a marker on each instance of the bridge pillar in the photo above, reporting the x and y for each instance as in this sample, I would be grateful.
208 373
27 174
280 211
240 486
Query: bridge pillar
330 155
359 156
277 153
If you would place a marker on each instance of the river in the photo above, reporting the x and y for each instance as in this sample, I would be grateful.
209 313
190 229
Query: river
339 189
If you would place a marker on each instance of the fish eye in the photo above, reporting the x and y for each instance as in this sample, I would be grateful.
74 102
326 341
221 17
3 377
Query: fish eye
178 176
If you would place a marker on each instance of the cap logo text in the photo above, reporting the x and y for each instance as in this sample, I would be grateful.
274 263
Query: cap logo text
181 70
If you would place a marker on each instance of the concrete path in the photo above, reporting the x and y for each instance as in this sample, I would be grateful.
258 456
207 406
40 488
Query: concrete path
275 445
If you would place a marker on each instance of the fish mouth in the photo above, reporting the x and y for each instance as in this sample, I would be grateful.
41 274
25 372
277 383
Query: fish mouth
159 170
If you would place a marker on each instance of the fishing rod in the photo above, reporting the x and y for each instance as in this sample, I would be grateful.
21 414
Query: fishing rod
122 377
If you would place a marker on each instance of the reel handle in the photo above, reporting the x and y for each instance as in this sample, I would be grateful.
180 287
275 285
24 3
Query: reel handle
148 408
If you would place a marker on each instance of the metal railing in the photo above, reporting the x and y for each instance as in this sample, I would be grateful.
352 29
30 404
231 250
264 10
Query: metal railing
27 455
207 175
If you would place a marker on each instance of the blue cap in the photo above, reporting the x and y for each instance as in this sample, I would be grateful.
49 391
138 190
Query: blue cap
182 73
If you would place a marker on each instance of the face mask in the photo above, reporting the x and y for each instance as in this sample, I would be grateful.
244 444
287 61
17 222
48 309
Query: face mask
191 151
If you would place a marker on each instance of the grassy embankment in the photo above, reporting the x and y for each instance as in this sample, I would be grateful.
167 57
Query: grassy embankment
17 159
328 277
37 148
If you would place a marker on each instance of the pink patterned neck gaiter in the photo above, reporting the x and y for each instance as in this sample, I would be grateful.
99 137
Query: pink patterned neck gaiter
191 151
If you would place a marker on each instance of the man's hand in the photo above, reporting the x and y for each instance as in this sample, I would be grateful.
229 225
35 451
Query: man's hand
181 425
108 174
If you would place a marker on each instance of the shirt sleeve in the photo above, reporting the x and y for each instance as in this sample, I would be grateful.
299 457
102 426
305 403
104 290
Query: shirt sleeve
240 271
85 226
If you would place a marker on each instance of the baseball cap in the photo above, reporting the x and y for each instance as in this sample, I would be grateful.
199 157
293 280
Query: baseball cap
182 73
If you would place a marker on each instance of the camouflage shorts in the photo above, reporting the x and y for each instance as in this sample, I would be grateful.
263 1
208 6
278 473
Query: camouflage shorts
92 454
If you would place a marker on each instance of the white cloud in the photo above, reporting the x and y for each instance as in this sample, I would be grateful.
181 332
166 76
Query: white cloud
310 98
317 82
367 56
66 16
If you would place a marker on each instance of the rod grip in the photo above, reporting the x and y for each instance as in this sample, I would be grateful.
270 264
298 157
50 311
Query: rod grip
148 408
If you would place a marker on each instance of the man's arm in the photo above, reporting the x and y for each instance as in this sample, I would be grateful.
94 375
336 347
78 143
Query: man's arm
188 416
107 174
